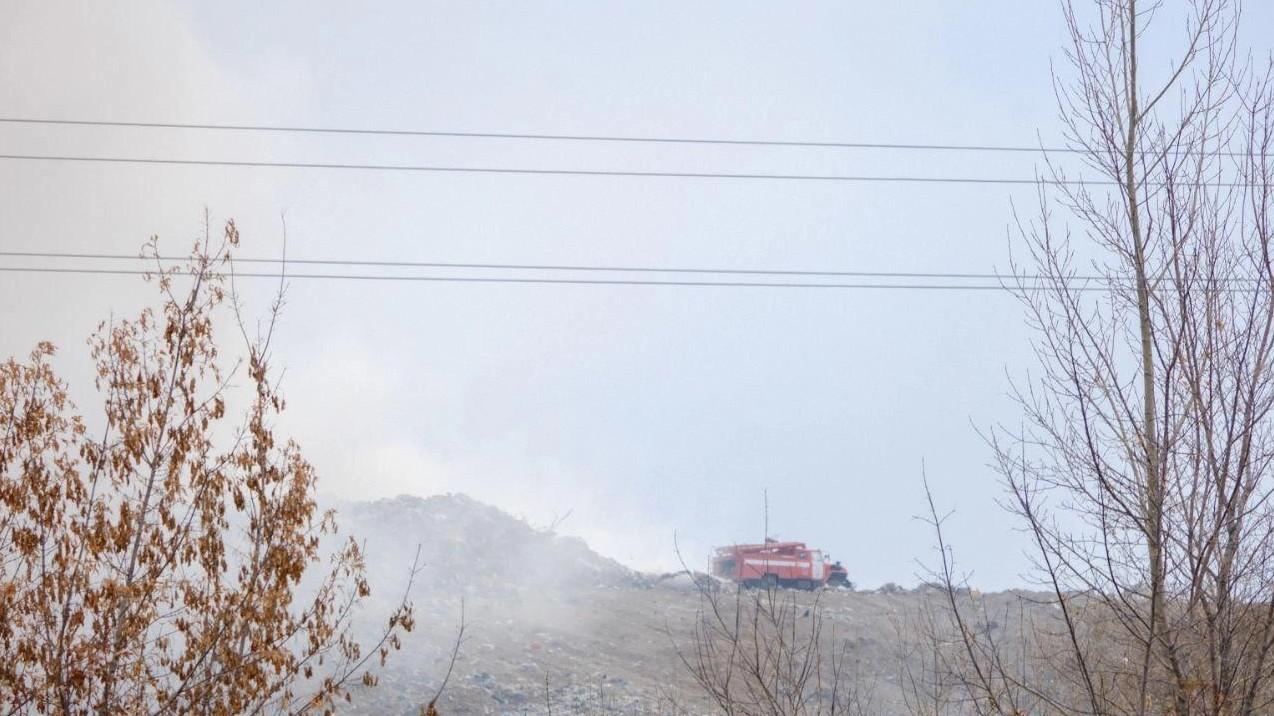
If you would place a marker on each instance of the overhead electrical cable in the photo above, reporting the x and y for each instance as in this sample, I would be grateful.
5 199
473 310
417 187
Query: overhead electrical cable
583 172
530 136
298 129
582 268
560 281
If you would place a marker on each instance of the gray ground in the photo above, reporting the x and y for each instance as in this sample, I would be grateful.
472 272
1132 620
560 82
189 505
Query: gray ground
554 627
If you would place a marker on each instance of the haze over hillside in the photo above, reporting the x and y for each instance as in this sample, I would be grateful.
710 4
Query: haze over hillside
553 626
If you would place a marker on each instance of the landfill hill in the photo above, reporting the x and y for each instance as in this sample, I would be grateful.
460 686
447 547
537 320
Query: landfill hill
553 627
467 547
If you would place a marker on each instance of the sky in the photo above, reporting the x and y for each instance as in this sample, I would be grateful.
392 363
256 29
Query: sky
640 417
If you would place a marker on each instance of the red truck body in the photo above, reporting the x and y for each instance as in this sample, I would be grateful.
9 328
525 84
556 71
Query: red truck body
783 564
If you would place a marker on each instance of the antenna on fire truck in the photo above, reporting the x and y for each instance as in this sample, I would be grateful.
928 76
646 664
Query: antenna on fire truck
765 505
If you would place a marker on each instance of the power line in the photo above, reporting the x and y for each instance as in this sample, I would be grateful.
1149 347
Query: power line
571 172
559 281
547 137
604 172
595 268
1029 283
548 267
626 139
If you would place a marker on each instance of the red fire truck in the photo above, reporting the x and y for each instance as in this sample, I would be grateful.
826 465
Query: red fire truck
774 563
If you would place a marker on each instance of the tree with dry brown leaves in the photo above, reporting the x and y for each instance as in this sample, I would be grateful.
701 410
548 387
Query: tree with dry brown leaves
153 564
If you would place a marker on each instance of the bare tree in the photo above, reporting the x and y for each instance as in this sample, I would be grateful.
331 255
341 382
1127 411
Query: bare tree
1142 470
765 652
156 567
958 655
431 708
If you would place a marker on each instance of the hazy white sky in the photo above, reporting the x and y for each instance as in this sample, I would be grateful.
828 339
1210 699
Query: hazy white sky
644 411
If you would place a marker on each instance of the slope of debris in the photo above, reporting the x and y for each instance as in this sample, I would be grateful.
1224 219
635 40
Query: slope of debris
552 627
539 612
467 547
